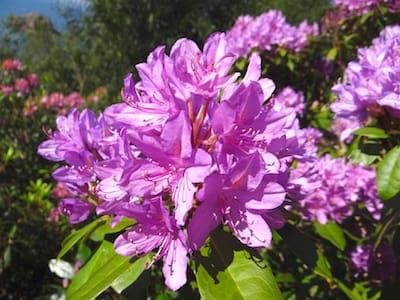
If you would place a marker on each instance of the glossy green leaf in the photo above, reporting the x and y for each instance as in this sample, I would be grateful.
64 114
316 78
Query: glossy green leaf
372 132
130 274
99 233
76 236
388 174
228 270
323 267
351 294
331 232
359 157
106 268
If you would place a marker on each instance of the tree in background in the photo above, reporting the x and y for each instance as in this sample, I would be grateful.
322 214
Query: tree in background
101 46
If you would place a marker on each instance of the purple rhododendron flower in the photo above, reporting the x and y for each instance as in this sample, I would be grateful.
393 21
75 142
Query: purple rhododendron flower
328 189
267 31
360 259
75 209
360 7
377 264
239 198
370 87
156 229
191 148
290 98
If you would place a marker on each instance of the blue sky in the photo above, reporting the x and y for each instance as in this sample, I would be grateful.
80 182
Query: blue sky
44 7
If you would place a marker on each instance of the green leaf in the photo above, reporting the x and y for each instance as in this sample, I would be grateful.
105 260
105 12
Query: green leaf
322 118
290 64
241 64
106 268
332 53
71 240
372 132
99 233
226 269
351 294
388 174
331 232
322 267
130 274
366 16
359 157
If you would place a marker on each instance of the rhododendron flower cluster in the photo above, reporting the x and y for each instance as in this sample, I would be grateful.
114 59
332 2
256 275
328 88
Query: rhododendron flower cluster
190 148
62 104
377 264
370 87
330 189
11 65
267 31
360 7
13 79
290 98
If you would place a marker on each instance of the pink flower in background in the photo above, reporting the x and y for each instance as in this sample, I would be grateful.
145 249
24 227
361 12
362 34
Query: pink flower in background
61 191
61 103
54 215
7 89
22 86
11 65
30 107
33 79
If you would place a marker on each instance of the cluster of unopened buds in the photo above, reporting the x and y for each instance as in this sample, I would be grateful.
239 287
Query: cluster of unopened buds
193 146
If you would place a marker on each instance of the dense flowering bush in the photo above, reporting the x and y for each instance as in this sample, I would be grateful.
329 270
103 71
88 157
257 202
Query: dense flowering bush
206 147
14 80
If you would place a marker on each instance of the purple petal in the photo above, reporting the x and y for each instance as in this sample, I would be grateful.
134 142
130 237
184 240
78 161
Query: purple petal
136 242
182 195
254 232
75 209
248 172
175 265
129 93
